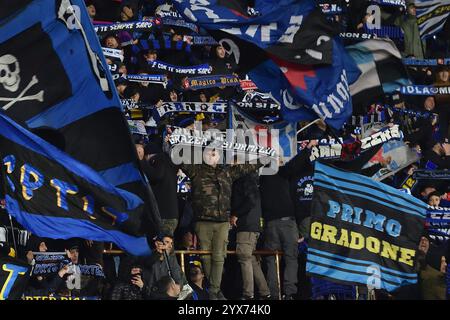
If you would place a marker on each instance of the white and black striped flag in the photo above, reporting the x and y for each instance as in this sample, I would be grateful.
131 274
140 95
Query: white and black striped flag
431 16
382 71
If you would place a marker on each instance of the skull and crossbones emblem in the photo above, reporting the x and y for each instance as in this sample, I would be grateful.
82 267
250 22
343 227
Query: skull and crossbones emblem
10 79
231 49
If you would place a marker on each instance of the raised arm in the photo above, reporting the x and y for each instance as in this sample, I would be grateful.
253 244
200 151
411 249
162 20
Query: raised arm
296 165
238 171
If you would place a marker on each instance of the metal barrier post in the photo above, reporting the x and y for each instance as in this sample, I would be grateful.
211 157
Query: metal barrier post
182 261
277 263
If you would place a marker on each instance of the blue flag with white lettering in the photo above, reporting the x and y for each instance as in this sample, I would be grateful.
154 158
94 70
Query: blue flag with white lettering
274 44
295 31
308 92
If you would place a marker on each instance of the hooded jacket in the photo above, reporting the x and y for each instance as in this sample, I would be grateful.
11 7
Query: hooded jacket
413 43
125 290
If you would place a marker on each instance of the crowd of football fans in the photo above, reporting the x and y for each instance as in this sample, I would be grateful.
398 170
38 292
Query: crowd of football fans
216 207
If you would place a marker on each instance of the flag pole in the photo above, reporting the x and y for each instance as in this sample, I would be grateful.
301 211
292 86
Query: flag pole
229 115
334 134
308 125
328 128
2 173
229 156
166 259
13 236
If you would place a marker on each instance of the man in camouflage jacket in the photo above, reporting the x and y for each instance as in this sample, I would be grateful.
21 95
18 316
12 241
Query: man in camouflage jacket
211 202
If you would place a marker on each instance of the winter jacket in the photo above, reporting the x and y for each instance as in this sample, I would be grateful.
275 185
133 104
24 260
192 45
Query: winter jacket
223 66
276 196
432 284
442 162
156 267
246 203
355 14
211 189
162 175
129 291
199 293
302 191
413 43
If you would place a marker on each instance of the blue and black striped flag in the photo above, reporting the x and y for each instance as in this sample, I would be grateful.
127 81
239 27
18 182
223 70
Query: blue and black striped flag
55 196
363 231
53 76
14 275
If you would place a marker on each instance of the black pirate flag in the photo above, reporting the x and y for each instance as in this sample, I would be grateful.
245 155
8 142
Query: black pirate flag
32 77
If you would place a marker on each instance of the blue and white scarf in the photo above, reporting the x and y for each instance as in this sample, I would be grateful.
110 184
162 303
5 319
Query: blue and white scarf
48 263
432 174
201 40
201 69
179 23
125 26
113 53
164 44
150 78
216 81
394 3
422 90
426 62
265 105
330 8
412 113
194 107
438 223
357 36
391 32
